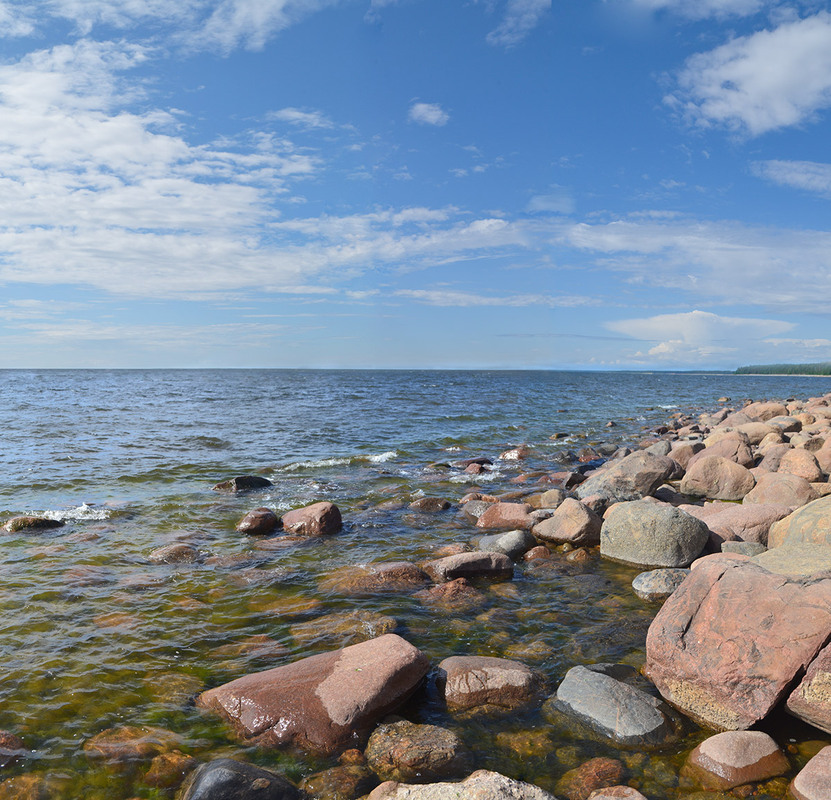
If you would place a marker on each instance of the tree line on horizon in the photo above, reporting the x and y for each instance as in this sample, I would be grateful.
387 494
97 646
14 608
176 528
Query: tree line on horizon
822 368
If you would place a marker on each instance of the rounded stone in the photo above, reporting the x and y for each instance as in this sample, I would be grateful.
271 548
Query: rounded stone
259 522
814 778
658 584
735 757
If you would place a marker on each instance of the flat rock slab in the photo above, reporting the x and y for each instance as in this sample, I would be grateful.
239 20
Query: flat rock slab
811 700
726 646
614 709
485 685
734 758
798 560
658 584
227 779
652 534
481 785
814 778
325 702
810 524
471 565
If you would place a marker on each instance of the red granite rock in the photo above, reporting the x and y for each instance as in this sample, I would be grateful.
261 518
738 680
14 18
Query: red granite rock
798 461
782 489
314 520
735 757
729 642
732 447
325 702
811 700
385 576
596 773
814 779
810 524
717 478
572 522
508 516
259 522
471 565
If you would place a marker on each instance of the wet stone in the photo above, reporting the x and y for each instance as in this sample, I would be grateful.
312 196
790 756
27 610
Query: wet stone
169 770
226 779
430 505
344 782
11 748
597 773
512 543
259 522
31 524
130 743
174 554
733 758
175 688
341 628
243 483
454 596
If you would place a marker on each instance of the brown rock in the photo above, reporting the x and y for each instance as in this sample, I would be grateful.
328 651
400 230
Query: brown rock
243 483
26 787
733 758
455 595
169 770
432 505
344 782
597 773
317 519
717 478
617 793
630 478
404 751
130 743
31 524
483 685
810 524
571 522
811 700
259 522
258 646
814 778
496 566
682 452
540 551
11 748
733 447
782 489
342 628
508 516
325 702
729 642
800 462
386 576
178 553
516 453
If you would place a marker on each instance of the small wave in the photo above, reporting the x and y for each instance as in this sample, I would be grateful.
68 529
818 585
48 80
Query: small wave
323 462
668 406
382 457
81 513
481 477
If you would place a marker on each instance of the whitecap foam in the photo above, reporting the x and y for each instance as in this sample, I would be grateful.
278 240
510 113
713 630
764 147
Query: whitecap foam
323 462
382 457
481 477
82 513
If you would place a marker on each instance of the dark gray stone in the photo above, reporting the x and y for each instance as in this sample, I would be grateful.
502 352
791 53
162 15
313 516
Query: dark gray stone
512 543
243 483
226 779
743 548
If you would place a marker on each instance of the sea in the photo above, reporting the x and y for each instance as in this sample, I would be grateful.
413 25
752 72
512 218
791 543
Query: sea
96 637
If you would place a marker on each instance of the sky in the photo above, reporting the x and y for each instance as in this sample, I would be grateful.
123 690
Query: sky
543 184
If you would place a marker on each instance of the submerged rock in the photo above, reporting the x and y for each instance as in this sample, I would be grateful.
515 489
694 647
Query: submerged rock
512 543
325 702
227 779
386 576
243 483
658 584
496 566
596 773
130 743
31 524
481 785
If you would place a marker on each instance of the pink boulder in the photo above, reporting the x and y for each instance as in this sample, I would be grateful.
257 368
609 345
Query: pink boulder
814 778
718 479
259 522
810 524
325 702
572 523
798 461
782 489
507 515
732 447
811 700
317 519
729 642
471 565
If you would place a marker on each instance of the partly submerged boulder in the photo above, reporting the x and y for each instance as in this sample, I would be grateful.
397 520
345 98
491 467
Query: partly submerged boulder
630 478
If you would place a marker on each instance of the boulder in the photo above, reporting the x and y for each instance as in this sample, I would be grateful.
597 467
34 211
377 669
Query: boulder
733 447
747 523
682 452
813 780
596 773
764 411
127 743
259 522
31 524
481 785
344 782
383 576
781 489
756 431
651 534
734 758
811 700
477 685
797 560
404 751
506 515
798 461
658 584
323 703
717 478
168 770
496 566
630 478
810 524
227 779
772 456
243 483
727 645
614 709
317 519
571 523
741 548
512 543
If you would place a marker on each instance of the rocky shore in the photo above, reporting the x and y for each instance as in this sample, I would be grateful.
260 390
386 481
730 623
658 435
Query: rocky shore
728 517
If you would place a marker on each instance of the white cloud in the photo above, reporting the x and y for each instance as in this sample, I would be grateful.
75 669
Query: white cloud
521 17
428 114
303 119
448 298
807 175
701 9
558 201
697 336
758 83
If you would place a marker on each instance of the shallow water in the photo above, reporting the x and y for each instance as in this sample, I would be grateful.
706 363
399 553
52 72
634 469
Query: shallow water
95 636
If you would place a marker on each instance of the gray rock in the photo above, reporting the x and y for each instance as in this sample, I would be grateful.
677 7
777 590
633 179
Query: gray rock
796 560
651 534
614 709
475 508
658 584
512 543
572 522
226 779
496 566
743 548
631 478
481 785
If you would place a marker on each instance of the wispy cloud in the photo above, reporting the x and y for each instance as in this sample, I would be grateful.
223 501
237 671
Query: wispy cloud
701 9
754 84
807 175
302 119
450 298
520 18
428 114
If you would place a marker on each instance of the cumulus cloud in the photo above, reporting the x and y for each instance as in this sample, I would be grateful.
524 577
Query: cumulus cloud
428 114
520 18
807 175
753 84
696 336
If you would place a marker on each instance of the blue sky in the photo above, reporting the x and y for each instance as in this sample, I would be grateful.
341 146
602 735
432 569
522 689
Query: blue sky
414 183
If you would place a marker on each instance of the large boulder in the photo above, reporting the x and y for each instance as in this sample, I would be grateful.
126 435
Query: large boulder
810 524
765 410
325 702
484 685
614 709
728 644
733 447
650 534
227 779
630 478
781 489
571 523
811 700
481 785
798 461
317 519
717 478
797 560
747 523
